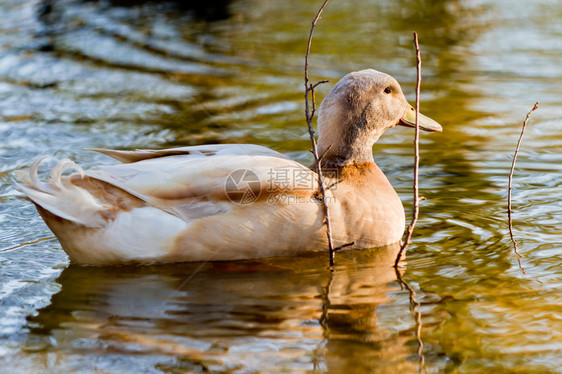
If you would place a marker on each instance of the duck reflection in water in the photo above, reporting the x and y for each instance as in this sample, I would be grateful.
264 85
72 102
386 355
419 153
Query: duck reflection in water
280 312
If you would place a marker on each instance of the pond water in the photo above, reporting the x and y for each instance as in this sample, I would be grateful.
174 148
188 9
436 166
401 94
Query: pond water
129 74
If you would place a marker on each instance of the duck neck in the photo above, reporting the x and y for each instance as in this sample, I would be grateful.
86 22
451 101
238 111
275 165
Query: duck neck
337 157
346 139
347 148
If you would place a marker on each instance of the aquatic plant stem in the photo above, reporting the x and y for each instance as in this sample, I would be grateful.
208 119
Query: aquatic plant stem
509 186
309 113
416 209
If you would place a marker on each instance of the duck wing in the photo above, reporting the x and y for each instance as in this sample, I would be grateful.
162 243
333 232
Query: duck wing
191 186
193 151
187 182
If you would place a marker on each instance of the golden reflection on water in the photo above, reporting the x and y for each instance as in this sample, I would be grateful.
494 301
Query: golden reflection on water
199 313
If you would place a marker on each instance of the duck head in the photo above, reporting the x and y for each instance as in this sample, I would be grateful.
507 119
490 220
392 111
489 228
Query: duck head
357 111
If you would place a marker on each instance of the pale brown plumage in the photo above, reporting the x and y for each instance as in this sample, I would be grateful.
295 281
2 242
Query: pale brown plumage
175 205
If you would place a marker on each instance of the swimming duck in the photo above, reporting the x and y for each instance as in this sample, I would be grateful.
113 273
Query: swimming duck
235 201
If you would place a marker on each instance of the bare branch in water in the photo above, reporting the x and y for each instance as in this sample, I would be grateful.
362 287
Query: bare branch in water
21 245
344 246
416 211
415 307
515 248
309 113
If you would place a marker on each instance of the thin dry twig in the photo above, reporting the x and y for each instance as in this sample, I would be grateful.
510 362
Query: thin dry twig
321 157
334 184
415 307
21 245
344 246
416 211
309 113
515 248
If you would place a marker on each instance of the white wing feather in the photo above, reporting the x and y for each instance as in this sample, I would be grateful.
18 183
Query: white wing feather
192 187
197 151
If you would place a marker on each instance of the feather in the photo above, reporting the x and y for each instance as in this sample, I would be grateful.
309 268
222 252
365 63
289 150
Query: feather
193 152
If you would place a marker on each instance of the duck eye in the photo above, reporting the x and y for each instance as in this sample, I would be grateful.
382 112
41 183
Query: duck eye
387 90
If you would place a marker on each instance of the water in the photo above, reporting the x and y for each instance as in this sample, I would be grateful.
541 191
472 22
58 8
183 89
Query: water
124 75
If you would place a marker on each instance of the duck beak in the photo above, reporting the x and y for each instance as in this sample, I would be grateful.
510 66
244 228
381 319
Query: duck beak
425 123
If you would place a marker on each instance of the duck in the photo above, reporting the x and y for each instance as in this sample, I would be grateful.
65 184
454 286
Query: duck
227 202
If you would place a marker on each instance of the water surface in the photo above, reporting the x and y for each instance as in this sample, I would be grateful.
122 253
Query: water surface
130 75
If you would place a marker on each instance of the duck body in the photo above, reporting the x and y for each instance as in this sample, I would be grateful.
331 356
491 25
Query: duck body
225 202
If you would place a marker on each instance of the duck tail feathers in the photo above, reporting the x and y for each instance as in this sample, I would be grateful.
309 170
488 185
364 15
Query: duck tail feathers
59 196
